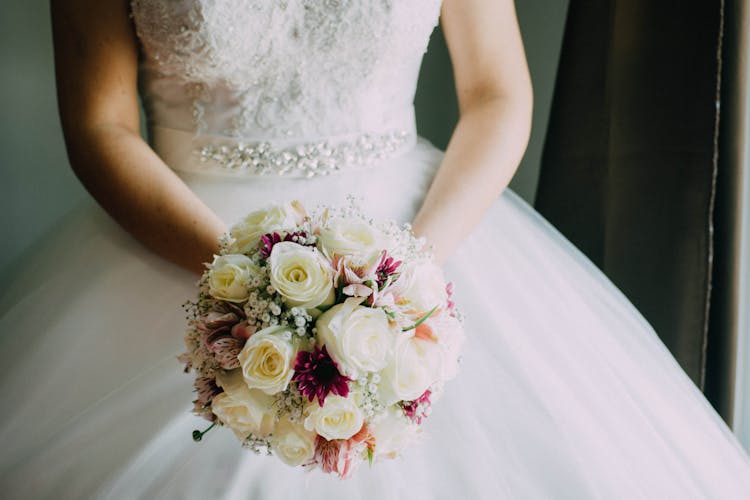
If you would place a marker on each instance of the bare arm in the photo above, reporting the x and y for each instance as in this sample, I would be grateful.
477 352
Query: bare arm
495 103
96 59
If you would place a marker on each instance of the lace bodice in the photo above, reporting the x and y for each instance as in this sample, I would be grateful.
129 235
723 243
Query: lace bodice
272 69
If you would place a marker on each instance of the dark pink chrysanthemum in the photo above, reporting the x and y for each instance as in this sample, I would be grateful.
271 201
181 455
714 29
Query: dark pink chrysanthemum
387 268
267 241
416 410
316 374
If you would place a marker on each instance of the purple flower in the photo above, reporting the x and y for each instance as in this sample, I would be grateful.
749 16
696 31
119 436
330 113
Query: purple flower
316 374
387 268
267 241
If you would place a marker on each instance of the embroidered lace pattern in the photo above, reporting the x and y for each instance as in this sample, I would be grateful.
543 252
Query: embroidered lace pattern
283 68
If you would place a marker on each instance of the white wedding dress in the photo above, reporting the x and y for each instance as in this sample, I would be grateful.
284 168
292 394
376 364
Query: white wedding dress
565 390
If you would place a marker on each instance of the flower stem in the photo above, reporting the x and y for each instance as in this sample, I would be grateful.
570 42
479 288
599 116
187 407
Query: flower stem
198 435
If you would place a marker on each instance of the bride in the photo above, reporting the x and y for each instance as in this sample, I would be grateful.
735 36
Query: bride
565 390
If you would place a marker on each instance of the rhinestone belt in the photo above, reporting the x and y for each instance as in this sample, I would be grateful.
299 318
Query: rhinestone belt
307 159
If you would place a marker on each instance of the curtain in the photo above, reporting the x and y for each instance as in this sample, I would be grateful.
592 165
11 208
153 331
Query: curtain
630 164
729 333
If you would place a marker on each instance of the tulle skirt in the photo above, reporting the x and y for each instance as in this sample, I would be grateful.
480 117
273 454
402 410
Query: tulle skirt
565 391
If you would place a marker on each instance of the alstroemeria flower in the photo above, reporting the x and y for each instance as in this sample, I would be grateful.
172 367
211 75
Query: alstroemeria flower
225 349
206 389
214 321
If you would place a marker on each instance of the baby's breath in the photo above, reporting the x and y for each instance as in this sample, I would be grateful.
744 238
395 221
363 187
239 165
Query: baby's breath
289 404
370 404
258 445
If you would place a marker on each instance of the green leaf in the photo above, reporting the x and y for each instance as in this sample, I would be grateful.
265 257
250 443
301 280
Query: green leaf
421 320
339 289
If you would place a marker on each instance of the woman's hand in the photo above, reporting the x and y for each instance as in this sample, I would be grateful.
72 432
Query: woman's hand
96 62
495 102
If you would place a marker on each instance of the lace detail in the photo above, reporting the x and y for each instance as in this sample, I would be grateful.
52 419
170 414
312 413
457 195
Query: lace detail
281 68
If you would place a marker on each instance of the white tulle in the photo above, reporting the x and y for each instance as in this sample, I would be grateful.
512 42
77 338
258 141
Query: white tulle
565 392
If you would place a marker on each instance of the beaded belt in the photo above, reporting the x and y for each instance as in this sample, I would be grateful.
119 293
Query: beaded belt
306 159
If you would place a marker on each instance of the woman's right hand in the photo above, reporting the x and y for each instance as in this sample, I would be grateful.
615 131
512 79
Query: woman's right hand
96 64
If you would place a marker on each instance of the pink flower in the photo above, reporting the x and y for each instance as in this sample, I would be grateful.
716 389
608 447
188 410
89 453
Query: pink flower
424 331
349 458
367 279
357 290
387 268
207 389
327 453
358 279
451 306
267 241
385 300
318 375
243 330
225 350
353 271
225 334
214 322
416 410
342 456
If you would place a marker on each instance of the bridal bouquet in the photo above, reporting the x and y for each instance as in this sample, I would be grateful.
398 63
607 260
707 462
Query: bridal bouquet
321 338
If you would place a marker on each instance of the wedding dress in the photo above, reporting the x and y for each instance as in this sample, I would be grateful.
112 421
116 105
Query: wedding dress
565 391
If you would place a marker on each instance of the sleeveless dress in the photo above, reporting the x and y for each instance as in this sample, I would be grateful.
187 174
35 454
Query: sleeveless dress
565 391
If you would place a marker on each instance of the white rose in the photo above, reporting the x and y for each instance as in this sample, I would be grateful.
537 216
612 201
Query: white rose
414 367
248 231
354 237
393 432
450 337
359 339
340 418
243 410
229 277
267 360
292 443
301 275
422 284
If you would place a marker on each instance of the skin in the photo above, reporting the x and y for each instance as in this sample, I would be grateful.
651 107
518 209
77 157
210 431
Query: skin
495 103
99 115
